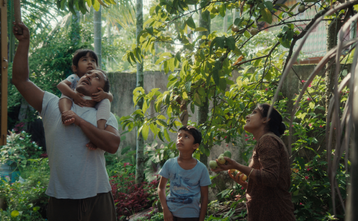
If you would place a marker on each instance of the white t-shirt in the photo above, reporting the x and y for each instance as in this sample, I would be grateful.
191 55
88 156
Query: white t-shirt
75 171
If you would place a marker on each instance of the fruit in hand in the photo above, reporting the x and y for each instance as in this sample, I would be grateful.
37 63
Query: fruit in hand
221 159
301 8
254 31
244 177
213 165
227 154
235 28
234 172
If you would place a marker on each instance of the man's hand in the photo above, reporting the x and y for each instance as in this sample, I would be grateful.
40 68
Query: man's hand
70 117
79 100
100 95
25 36
168 216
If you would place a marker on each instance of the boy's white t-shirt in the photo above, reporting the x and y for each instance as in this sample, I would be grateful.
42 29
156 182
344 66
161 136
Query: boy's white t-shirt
75 171
185 192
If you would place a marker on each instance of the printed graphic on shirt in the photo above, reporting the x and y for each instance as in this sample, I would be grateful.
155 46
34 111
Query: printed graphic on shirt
180 193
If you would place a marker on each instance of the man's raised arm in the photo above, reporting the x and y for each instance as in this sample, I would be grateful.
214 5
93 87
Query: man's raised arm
20 70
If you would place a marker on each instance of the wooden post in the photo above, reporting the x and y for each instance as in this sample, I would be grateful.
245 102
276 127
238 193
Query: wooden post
3 72
17 12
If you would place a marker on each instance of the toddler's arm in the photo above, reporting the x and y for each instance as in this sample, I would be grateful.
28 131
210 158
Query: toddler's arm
64 87
101 94
168 216
204 202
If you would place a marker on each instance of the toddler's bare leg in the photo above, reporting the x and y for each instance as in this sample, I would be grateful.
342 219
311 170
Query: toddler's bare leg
65 105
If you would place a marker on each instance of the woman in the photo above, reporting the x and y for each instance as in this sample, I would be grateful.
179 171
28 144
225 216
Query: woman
269 170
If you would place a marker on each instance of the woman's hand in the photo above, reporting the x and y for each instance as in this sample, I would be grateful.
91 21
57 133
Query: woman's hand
238 178
230 164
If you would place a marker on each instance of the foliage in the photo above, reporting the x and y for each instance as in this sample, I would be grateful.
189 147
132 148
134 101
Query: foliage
128 196
19 150
311 192
26 200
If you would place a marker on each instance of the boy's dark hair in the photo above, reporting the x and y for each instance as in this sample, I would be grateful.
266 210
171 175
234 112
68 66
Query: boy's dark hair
83 52
194 132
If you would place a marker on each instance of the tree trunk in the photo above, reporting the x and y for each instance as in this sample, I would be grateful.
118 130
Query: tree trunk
97 21
139 178
11 36
352 199
75 29
225 22
204 110
332 31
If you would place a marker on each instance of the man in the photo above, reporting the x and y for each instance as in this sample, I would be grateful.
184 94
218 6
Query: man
79 188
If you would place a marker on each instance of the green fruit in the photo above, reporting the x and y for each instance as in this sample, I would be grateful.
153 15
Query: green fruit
221 159
301 8
213 165
235 28
254 31
227 154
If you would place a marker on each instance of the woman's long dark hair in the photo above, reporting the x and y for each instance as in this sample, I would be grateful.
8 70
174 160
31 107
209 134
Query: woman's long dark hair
275 124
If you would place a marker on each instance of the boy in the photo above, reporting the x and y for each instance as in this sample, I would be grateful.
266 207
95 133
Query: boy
189 180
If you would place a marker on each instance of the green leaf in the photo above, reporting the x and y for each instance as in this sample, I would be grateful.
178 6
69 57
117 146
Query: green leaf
269 5
311 105
166 135
201 91
222 10
154 129
266 15
230 41
15 213
197 99
145 107
247 34
190 22
145 131
205 15
200 29
188 86
222 84
185 96
160 135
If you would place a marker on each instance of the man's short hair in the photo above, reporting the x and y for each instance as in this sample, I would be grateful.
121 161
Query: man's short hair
83 52
194 132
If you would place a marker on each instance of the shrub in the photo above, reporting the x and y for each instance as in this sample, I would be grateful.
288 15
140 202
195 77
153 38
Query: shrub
311 190
129 197
26 200
19 149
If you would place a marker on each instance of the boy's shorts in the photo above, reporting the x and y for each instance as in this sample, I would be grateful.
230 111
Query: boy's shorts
100 207
184 219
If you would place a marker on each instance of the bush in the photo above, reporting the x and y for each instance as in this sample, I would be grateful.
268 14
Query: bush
129 197
26 200
311 190
18 150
